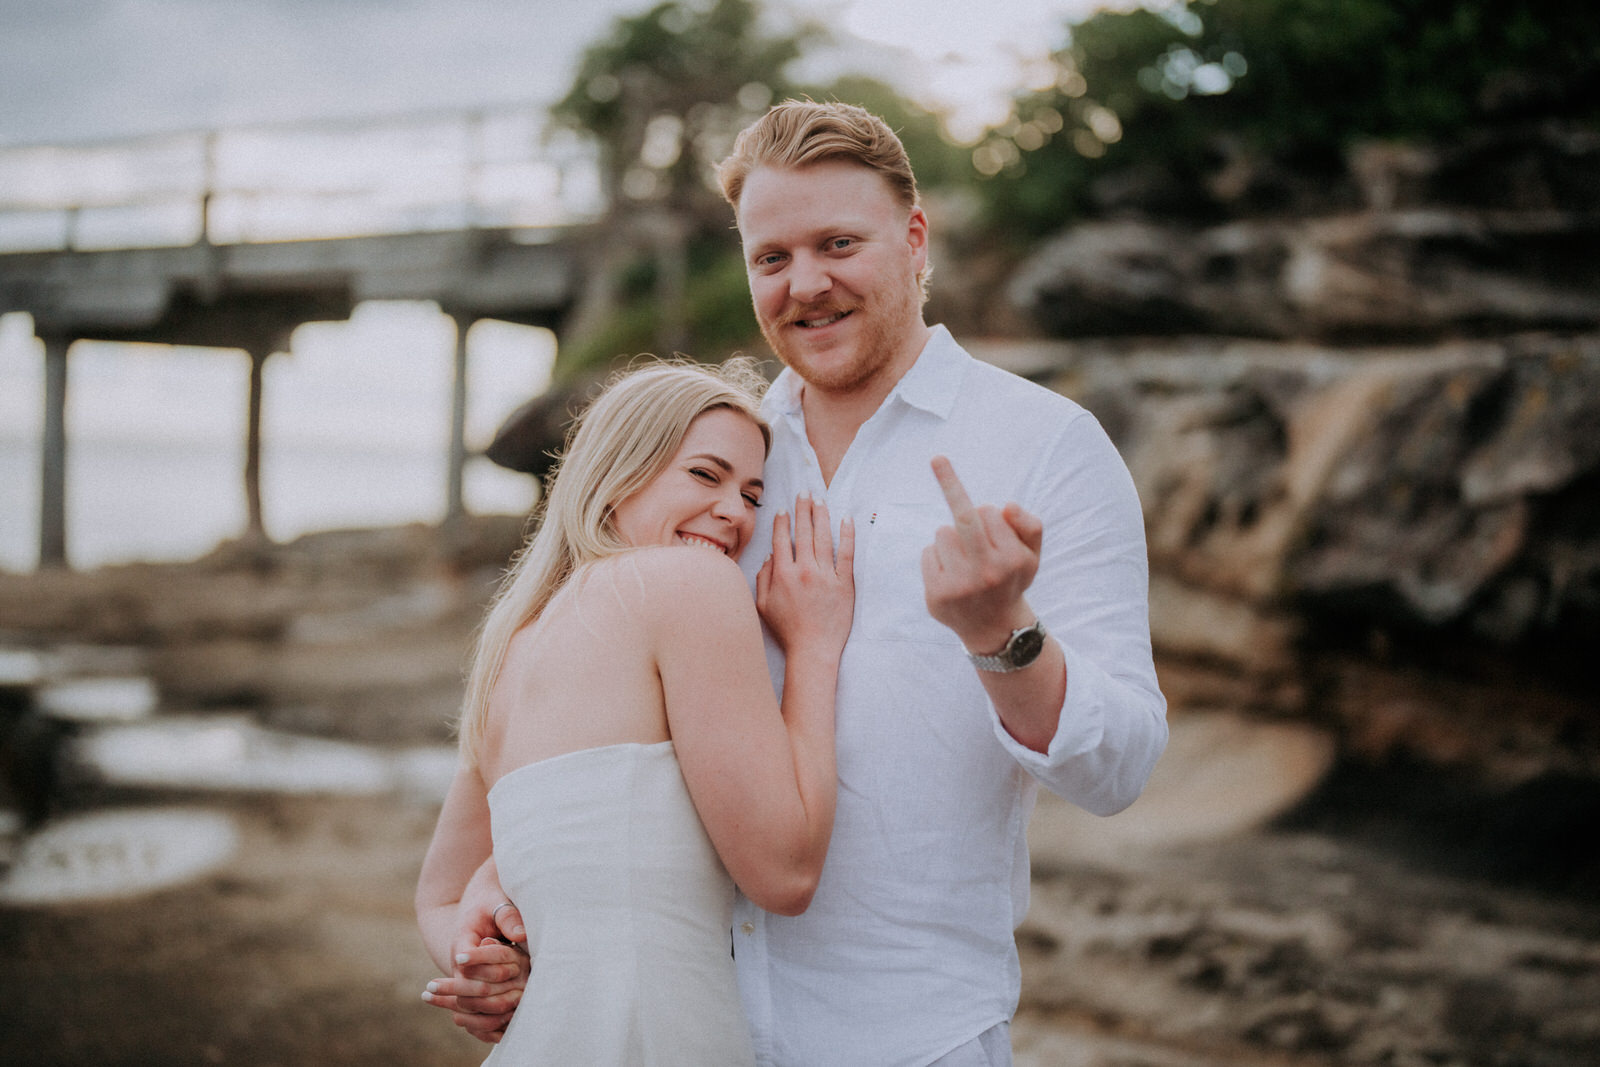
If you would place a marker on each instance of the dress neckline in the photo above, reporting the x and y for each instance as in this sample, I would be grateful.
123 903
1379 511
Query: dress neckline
620 746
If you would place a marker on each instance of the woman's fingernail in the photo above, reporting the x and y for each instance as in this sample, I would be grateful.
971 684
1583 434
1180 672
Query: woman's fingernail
428 997
433 987
462 957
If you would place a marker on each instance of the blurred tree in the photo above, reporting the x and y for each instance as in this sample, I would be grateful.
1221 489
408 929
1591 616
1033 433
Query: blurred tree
665 94
1153 106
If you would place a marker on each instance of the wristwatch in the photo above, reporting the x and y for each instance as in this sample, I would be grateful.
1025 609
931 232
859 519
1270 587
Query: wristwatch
1021 649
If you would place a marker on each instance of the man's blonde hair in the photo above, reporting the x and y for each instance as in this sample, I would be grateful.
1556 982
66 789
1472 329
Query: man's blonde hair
797 133
625 438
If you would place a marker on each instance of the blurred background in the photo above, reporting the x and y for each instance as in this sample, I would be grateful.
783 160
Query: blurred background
296 298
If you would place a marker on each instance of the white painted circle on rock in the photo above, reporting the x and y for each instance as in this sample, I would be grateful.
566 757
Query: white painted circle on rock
117 854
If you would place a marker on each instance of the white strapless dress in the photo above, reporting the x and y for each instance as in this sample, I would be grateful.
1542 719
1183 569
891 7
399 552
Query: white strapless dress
628 910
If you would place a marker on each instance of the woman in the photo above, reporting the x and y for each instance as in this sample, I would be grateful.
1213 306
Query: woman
622 752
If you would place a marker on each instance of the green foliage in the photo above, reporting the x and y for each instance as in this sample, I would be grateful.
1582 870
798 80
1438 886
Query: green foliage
1326 71
716 313
1164 94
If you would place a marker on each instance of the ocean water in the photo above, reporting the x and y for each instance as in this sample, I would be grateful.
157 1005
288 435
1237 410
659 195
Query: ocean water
166 501
355 431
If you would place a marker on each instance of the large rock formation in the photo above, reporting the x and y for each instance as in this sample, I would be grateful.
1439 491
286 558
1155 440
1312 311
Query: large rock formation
1368 446
1412 275
1329 526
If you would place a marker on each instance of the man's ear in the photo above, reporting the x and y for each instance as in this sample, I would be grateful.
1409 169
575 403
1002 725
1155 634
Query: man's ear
917 237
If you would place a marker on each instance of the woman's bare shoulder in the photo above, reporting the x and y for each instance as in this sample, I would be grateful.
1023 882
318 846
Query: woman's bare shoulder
679 579
682 563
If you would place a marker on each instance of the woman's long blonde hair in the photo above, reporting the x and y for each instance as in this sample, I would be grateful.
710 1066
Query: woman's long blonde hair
622 441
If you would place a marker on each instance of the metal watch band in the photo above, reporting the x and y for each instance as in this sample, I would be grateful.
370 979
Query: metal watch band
1021 649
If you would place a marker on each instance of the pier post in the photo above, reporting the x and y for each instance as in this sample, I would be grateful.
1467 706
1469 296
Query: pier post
255 526
455 489
53 453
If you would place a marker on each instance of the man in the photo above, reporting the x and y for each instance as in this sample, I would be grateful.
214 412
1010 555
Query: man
993 646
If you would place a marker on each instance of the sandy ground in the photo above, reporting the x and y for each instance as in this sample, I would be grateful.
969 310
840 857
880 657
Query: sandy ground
301 950
1385 917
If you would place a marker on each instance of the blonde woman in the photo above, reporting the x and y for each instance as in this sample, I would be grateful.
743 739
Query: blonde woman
623 756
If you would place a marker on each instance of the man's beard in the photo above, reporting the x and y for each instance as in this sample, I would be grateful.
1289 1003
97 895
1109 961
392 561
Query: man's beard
872 352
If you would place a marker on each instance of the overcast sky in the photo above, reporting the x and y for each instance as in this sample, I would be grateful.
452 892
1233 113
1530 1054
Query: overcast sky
88 69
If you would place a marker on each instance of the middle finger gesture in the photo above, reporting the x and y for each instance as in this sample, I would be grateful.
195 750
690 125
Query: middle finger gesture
977 569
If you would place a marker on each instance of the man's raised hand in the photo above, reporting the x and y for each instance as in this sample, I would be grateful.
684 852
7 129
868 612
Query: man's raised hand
976 571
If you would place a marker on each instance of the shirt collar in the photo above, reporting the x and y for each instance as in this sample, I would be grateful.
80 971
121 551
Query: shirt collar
933 383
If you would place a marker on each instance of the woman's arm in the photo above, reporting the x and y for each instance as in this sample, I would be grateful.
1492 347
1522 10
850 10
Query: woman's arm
461 913
461 844
763 779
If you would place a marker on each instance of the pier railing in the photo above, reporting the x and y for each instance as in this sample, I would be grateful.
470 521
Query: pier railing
498 167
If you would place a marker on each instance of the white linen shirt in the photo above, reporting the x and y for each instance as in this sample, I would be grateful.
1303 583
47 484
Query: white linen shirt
907 949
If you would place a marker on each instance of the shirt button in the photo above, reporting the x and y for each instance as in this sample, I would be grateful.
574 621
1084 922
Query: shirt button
748 927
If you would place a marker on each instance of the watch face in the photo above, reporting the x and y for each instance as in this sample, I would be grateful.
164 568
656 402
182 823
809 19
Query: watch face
1025 647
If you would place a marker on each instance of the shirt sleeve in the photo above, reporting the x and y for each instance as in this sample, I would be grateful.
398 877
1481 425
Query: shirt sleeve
1092 593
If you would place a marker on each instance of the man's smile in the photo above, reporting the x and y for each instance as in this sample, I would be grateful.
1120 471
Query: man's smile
817 323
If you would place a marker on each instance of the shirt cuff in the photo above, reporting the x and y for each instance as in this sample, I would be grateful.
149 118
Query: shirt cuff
1105 745
1077 728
